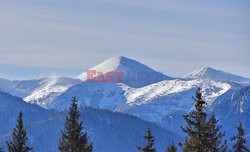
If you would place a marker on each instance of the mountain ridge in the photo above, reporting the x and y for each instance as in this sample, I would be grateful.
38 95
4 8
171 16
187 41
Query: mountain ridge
217 75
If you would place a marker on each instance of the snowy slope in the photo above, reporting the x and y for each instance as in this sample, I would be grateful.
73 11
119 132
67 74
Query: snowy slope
49 89
95 94
212 89
135 73
109 132
151 103
217 75
39 91
168 97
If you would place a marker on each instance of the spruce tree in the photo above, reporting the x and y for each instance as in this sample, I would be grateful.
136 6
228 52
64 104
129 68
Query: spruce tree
149 147
19 137
215 136
73 138
196 128
171 148
239 140
1 149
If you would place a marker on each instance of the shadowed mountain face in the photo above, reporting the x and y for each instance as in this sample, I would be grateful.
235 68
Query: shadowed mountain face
232 107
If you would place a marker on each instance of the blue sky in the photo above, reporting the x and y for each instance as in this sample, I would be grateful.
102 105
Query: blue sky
62 37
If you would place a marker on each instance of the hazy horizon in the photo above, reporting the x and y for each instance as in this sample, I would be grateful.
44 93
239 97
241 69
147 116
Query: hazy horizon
75 73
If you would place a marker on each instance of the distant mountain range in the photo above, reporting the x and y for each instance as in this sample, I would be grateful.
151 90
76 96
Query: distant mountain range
143 92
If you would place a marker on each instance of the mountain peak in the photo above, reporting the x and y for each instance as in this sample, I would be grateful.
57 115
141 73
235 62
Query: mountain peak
198 72
202 71
214 74
112 63
207 68
116 59
119 58
124 64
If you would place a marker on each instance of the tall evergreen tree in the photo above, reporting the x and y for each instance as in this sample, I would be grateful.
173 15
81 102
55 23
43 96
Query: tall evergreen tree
73 138
215 136
149 147
1 149
171 148
239 140
19 137
196 128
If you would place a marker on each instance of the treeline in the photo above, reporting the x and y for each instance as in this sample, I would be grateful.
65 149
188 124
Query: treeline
203 134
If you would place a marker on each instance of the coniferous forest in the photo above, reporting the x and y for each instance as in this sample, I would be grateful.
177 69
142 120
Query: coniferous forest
203 134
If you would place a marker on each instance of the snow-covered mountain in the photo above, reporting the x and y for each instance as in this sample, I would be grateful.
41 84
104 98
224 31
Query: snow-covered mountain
217 75
44 91
95 94
166 97
135 74
39 91
108 131
48 89
152 102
